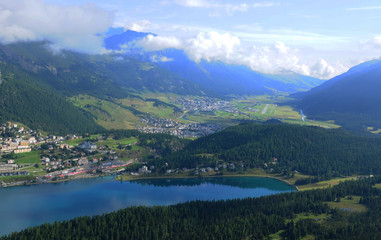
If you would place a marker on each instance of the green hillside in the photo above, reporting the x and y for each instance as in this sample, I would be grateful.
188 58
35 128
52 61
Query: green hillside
350 99
284 149
33 103
37 82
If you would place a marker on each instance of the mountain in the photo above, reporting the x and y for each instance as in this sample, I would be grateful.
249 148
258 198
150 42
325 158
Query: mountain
114 38
25 98
350 99
103 75
37 81
218 77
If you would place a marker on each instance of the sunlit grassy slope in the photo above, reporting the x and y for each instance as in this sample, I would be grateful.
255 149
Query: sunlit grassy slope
107 114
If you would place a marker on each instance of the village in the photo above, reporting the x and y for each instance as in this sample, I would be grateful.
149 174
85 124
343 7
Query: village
194 105
202 104
25 152
28 157
176 128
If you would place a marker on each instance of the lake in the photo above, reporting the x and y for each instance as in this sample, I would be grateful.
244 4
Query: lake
25 206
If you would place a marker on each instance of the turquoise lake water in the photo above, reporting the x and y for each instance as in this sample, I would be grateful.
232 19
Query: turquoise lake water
25 206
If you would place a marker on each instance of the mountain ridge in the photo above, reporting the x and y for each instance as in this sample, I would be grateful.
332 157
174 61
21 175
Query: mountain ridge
224 79
350 98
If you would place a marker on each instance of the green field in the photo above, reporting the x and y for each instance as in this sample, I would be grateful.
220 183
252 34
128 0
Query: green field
107 114
254 107
325 184
112 143
316 217
28 158
349 203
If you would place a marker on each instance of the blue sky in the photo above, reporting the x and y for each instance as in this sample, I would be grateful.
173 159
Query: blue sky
317 38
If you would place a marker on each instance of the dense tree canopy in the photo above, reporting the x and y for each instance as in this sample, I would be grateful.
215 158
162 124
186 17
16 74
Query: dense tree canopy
282 147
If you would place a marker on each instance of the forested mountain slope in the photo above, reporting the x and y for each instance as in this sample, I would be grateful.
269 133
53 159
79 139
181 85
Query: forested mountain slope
36 104
36 82
351 99
283 148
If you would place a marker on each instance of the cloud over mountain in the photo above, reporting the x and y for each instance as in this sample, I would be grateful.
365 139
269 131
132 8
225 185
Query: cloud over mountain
225 47
72 26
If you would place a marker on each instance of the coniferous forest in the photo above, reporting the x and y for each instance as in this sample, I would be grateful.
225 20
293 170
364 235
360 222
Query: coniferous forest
283 148
251 218
23 99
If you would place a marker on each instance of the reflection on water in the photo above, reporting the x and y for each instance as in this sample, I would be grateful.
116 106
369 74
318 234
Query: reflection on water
240 182
26 206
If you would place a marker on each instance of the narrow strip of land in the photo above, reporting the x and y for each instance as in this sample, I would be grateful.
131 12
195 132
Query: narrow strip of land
265 109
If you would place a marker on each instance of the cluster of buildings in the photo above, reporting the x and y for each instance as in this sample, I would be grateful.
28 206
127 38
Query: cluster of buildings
19 140
16 139
169 126
201 103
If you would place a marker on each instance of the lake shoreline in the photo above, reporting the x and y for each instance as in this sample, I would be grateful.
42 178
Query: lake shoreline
142 177
24 183
126 177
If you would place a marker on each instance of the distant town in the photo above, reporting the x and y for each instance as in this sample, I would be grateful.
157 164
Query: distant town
188 130
176 128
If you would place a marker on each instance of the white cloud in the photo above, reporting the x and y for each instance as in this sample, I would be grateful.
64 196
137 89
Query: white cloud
139 26
156 58
155 43
264 4
254 27
227 7
375 42
322 68
225 47
364 8
194 3
74 27
212 46
230 8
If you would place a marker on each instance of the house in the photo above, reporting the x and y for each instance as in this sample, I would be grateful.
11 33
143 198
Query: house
88 146
144 169
32 140
83 161
23 144
8 167
22 150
